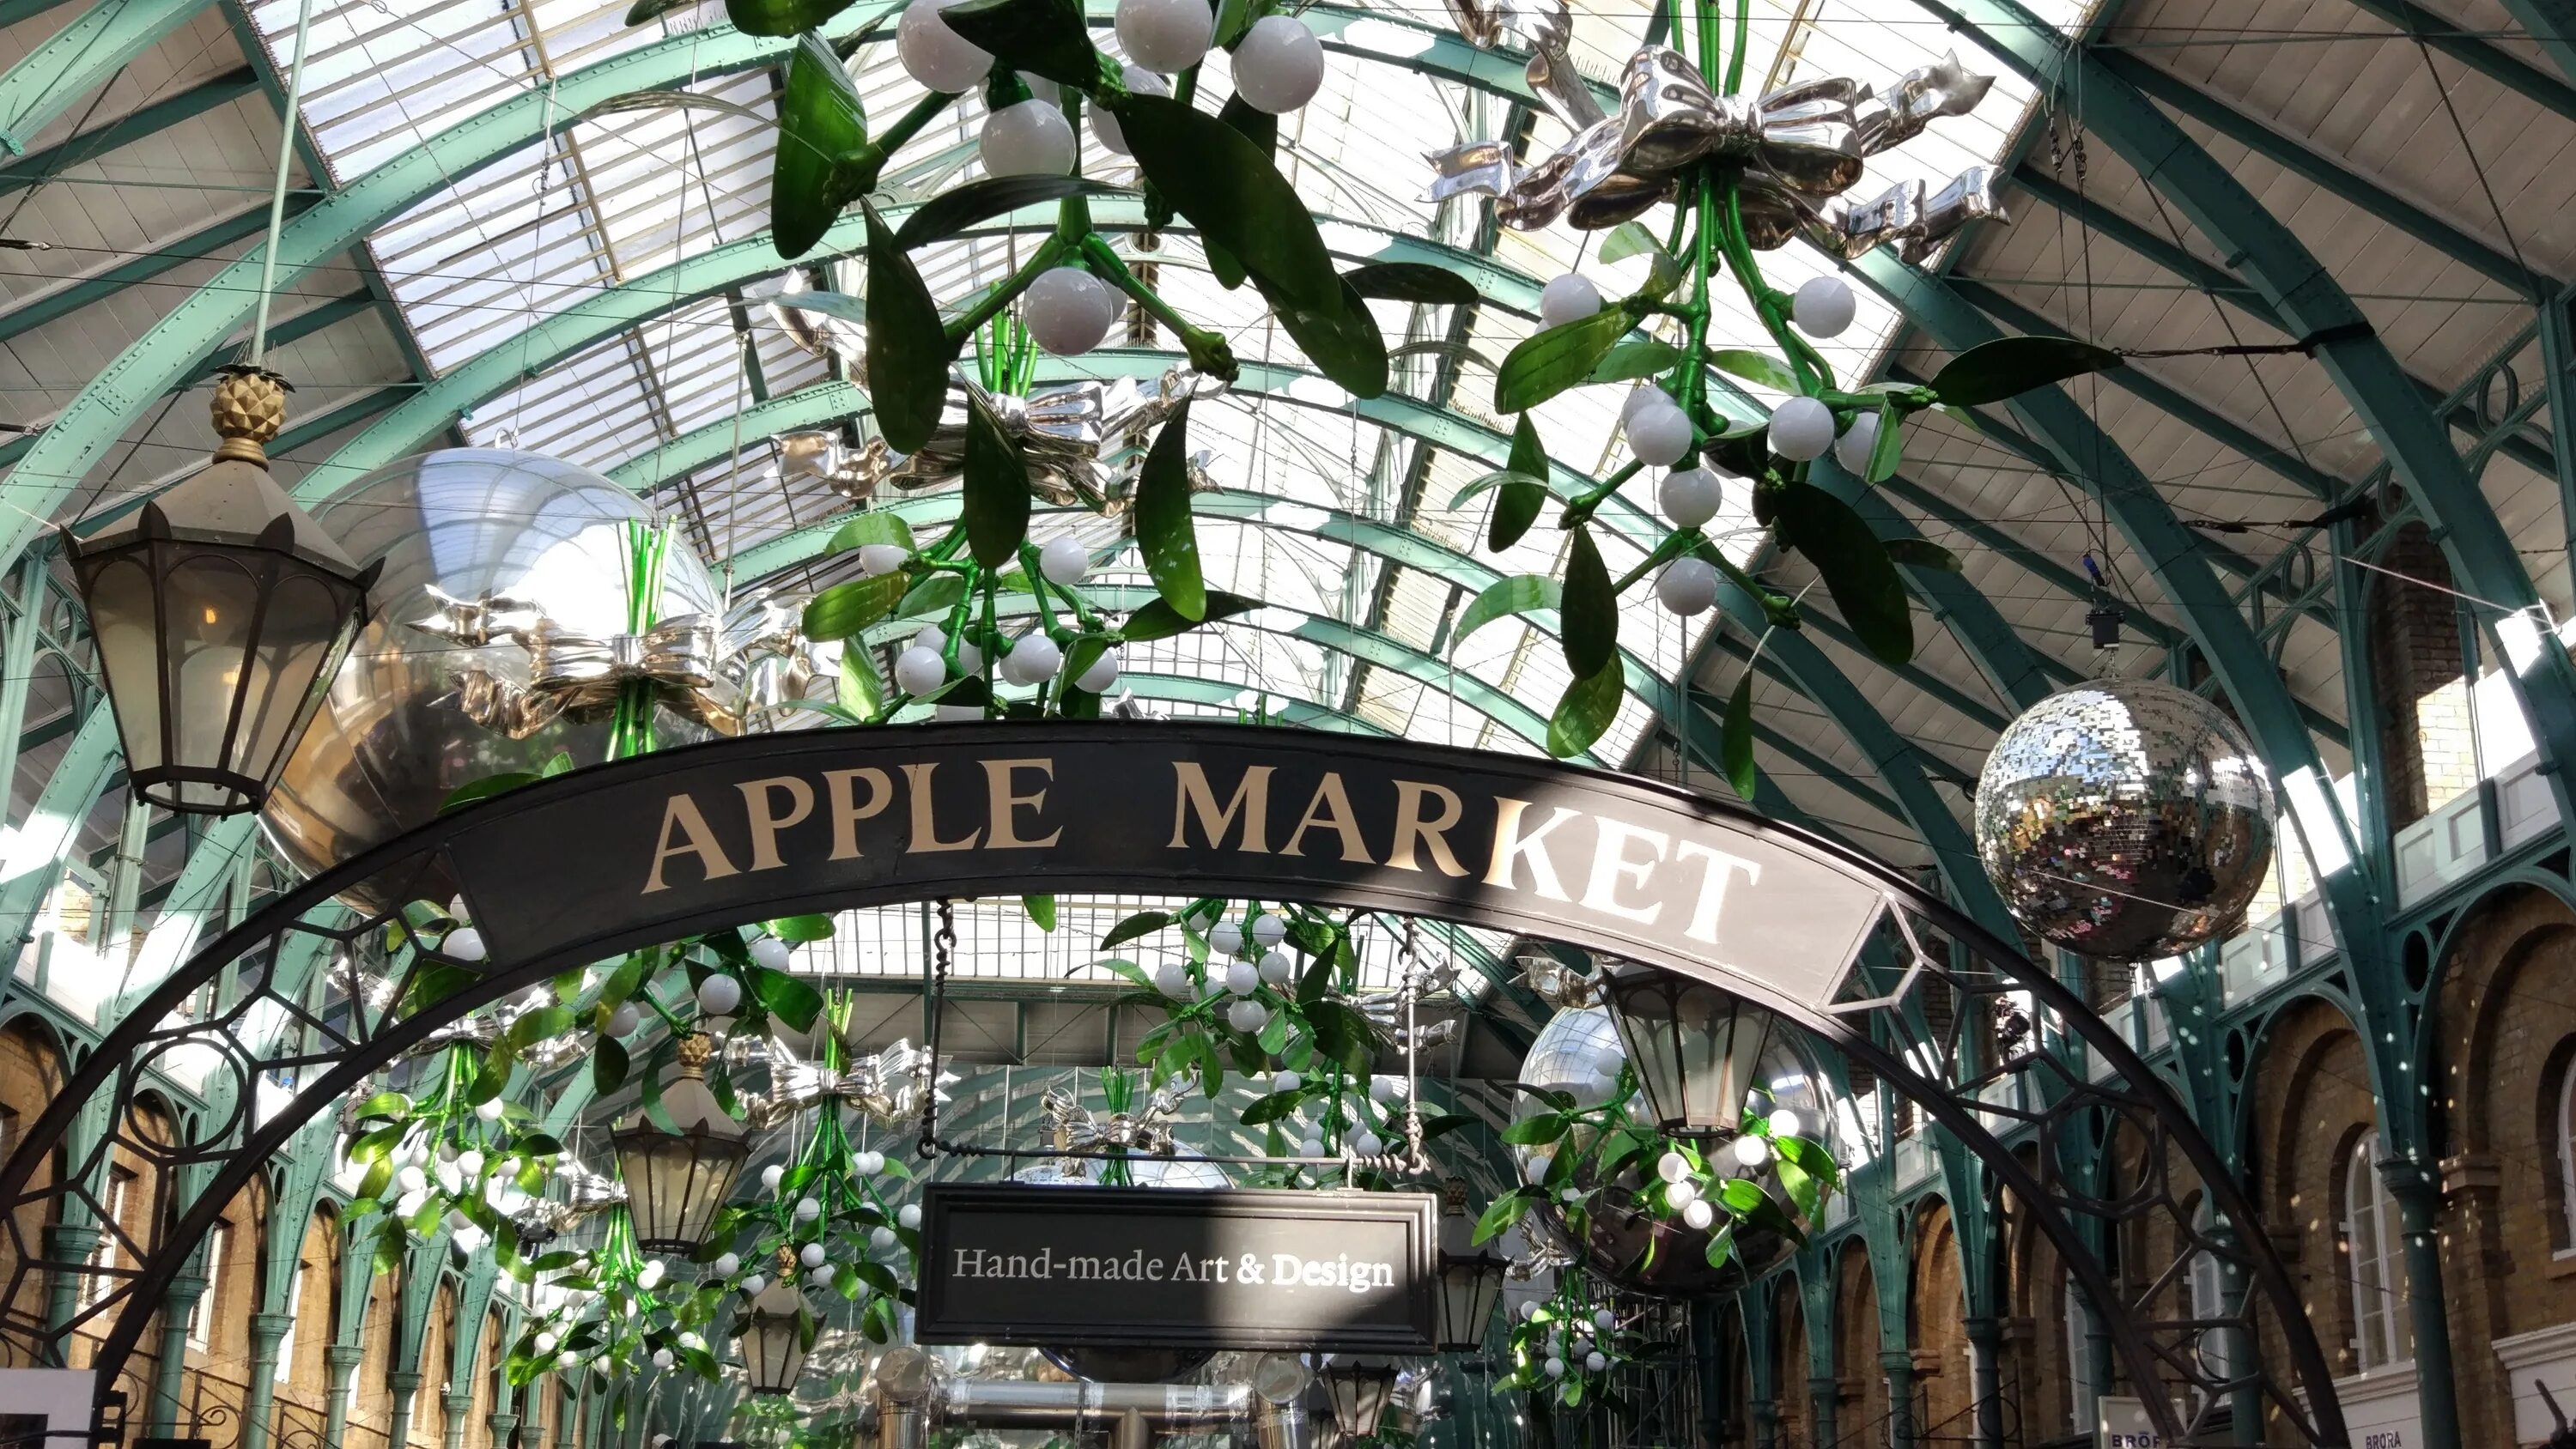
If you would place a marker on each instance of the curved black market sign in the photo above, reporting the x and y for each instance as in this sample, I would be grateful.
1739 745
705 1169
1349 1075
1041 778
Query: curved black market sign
602 860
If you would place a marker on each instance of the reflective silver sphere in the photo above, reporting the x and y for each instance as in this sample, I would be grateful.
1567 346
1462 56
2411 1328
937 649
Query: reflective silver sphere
389 745
1578 1051
2126 820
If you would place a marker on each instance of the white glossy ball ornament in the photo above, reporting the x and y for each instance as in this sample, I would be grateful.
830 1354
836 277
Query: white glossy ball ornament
819 1277
1276 968
1595 1362
1687 586
1823 306
1027 138
491 1110
1569 1195
869 1163
1536 1169
1172 980
1226 939
935 55
1069 312
1681 1194
719 996
1102 675
1242 979
752 1283
1367 1143
882 1240
1064 560
771 952
807 1209
811 1255
1672 1167
1689 496
662 1359
567 1360
1104 121
650 1276
1165 35
1751 1151
1698 1214
1645 395
1529 1311
1554 1368
411 1180
546 1342
771 1176
908 1216
1247 1015
1604 1319
1033 659
1785 1123
1311 1147
879 559
465 943
1801 428
470 1163
1286 1081
457 1221
1278 65
727 1264
919 671
1269 931
1658 436
624 1020
1853 448
1569 298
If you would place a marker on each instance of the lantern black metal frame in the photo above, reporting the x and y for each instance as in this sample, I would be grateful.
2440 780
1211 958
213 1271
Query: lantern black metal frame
1360 1390
1683 1035
1471 1284
2071 1075
774 1341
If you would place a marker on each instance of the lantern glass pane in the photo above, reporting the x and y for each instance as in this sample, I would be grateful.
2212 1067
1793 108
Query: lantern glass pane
122 618
1695 1047
211 611
300 640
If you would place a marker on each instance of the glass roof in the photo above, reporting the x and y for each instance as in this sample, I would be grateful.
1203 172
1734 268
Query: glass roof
615 198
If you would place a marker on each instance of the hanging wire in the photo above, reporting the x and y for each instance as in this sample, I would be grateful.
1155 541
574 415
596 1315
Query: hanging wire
277 192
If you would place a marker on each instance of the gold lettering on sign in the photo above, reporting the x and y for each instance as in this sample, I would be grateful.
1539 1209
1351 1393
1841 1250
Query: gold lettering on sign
847 812
680 813
1611 867
1331 810
1410 827
766 822
997 779
1712 885
1510 846
1192 795
925 828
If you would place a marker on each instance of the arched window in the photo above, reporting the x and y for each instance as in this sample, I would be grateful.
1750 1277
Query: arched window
2566 1152
2382 1332
2081 1392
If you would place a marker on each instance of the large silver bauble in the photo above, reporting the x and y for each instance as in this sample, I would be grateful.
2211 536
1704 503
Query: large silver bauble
389 745
2126 820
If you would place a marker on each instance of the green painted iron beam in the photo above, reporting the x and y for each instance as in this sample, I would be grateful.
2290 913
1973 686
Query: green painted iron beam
78 59
2262 452
207 240
13 12
2299 158
147 120
2483 56
2483 559
2533 451
2550 23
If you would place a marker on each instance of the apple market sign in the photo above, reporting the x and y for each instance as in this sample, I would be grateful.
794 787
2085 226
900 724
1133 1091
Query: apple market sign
1083 1267
711 835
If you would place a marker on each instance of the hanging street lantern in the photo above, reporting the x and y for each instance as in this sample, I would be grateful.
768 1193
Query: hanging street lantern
1359 1389
221 613
1694 1047
675 1181
775 1341
1471 1278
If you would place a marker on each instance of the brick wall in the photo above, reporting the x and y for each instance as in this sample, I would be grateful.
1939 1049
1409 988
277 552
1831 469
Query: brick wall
2414 651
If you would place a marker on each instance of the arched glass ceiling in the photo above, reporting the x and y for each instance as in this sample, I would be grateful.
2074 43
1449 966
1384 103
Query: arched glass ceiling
617 198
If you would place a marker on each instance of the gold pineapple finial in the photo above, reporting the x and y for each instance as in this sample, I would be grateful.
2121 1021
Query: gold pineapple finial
249 409
695 1050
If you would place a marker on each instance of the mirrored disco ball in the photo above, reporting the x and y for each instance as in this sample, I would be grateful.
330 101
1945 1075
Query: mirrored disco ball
2126 820
390 745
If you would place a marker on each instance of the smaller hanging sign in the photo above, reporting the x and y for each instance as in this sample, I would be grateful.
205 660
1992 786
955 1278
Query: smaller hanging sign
1244 1268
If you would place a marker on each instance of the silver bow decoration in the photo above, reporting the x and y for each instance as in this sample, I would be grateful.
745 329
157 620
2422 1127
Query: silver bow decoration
888 1087
1146 1132
773 671
1800 146
1903 216
576 674
484 1028
1067 434
583 1193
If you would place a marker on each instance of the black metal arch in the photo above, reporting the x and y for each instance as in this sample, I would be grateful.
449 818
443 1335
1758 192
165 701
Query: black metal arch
2013 1052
